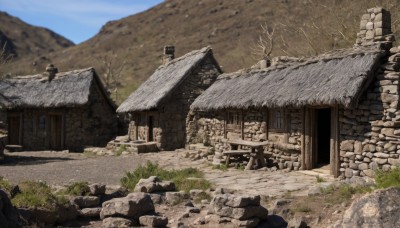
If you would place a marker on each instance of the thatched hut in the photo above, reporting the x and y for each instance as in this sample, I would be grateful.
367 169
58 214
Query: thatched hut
58 111
159 107
337 110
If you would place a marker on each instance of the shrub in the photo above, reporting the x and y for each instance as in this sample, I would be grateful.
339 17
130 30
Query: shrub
184 179
387 179
320 179
78 189
37 194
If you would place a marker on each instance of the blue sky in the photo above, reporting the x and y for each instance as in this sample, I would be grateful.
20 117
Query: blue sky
77 20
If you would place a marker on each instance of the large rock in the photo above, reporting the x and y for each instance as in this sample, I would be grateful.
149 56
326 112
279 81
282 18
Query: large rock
176 197
90 212
133 205
97 189
39 215
112 222
8 214
237 207
378 209
153 221
86 201
153 184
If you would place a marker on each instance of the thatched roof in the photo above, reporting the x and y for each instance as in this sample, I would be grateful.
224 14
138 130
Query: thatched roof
163 82
335 78
67 89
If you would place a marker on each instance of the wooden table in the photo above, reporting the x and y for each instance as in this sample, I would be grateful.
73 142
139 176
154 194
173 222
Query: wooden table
257 151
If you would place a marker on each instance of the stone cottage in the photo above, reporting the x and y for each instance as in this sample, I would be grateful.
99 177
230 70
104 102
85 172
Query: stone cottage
159 107
57 111
338 110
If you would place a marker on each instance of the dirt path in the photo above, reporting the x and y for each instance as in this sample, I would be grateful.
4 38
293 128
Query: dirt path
63 168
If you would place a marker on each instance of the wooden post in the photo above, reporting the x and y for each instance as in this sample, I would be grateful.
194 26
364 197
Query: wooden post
242 124
303 134
334 142
309 141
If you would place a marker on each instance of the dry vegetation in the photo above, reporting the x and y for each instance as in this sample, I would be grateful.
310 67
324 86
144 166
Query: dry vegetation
305 27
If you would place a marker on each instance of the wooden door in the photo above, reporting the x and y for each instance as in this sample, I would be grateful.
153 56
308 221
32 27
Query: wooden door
14 129
150 125
55 132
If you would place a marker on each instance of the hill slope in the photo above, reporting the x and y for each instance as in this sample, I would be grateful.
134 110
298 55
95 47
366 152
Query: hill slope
25 40
231 27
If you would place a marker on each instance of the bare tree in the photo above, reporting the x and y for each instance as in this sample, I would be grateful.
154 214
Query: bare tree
5 57
112 69
265 43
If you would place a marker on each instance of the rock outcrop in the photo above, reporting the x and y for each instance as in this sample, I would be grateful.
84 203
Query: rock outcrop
154 184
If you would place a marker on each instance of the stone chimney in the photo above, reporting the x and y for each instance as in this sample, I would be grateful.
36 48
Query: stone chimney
51 71
169 54
375 28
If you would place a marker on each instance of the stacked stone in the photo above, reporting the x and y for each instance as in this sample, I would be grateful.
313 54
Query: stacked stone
375 26
242 211
369 134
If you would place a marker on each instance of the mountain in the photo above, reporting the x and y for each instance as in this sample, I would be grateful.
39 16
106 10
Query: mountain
230 27
23 40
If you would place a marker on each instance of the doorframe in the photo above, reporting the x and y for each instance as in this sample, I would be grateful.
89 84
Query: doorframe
48 130
308 149
21 121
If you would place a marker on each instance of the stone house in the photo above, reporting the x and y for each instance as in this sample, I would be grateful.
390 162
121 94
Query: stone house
159 107
338 110
57 111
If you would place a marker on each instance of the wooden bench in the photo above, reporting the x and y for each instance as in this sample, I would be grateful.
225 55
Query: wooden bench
234 153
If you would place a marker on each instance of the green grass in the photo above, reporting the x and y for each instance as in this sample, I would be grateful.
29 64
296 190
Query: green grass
184 179
387 179
5 184
202 196
320 179
78 189
37 194
120 149
220 167
343 193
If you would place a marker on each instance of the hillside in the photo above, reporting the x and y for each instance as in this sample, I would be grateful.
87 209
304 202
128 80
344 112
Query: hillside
24 40
231 27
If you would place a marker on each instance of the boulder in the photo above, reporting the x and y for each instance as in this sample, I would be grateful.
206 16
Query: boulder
237 207
153 184
39 215
90 212
176 197
250 223
8 214
133 205
115 222
153 221
67 213
97 189
86 201
378 209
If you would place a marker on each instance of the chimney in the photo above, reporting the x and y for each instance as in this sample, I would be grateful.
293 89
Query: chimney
51 71
375 28
169 54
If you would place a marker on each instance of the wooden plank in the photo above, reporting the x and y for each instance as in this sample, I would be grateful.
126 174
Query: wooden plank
302 153
334 142
238 152
307 140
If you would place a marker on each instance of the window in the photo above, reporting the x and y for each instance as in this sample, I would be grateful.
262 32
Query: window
276 119
42 122
234 120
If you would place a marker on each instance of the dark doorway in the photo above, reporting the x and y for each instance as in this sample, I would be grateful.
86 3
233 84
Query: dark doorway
323 136
150 124
55 129
14 129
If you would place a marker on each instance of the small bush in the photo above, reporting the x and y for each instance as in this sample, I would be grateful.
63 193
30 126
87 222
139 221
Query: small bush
37 194
343 193
387 179
184 179
78 189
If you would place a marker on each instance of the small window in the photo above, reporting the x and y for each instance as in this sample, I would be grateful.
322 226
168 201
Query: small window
276 120
42 122
234 120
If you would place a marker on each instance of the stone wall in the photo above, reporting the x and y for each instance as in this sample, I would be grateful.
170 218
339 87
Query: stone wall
369 133
210 128
169 131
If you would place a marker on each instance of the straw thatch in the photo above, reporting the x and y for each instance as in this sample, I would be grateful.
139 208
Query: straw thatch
67 89
330 79
163 82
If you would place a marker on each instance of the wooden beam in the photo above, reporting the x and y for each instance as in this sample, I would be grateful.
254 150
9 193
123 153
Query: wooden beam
334 142
303 133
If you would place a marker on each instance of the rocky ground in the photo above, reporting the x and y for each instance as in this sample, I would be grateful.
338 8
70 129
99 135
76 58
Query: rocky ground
291 196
